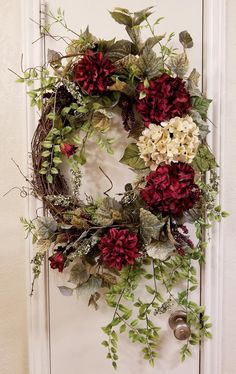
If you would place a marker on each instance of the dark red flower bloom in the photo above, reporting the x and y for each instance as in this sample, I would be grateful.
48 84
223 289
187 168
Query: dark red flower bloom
68 149
93 72
170 189
57 261
119 248
166 97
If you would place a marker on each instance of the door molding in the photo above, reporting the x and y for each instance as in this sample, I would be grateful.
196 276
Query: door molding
214 80
38 304
212 273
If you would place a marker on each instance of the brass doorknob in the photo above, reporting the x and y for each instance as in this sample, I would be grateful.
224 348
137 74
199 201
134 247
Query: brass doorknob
178 323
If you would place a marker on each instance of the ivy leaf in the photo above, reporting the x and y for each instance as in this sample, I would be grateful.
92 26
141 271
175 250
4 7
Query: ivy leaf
153 40
79 274
135 35
141 15
192 83
46 226
160 250
150 225
122 17
89 287
149 64
179 64
204 159
119 50
201 105
131 157
65 291
203 126
185 39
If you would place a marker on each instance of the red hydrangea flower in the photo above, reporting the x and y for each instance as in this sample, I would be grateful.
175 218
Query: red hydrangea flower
93 72
68 149
170 189
166 97
57 261
119 248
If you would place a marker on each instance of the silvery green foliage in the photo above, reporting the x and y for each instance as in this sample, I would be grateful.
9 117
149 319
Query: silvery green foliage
46 226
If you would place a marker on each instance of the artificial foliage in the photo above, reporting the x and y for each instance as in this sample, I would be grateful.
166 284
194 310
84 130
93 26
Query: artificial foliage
115 246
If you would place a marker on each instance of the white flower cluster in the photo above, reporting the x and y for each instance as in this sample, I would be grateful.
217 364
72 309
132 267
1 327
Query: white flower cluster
174 140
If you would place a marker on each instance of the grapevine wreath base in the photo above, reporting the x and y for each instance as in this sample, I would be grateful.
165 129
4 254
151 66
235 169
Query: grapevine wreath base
116 244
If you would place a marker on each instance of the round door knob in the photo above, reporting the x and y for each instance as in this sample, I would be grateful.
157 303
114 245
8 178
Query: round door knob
178 323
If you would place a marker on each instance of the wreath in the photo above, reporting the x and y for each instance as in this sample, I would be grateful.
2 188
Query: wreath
139 240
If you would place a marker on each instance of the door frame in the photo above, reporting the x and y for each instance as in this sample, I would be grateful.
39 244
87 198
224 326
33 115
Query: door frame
214 20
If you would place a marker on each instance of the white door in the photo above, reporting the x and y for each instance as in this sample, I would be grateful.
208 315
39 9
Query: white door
74 329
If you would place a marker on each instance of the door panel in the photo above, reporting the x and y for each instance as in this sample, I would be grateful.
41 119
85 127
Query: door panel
75 333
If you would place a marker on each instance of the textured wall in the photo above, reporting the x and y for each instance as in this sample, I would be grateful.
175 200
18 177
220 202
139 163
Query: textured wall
13 298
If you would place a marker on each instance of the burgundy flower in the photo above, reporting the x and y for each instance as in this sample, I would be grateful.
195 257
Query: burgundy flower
170 189
57 261
68 149
119 248
166 97
93 73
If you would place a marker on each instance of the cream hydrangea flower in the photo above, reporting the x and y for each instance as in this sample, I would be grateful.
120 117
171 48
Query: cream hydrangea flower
175 140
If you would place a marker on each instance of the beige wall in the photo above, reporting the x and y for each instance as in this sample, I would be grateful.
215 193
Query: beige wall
229 197
13 321
13 295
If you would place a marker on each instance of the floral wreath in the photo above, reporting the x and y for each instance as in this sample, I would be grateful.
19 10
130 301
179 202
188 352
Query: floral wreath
118 244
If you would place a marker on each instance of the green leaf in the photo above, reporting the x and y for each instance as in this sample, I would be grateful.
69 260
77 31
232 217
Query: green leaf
131 157
79 274
89 287
121 17
65 291
43 171
142 95
54 171
150 290
105 343
179 64
204 159
49 178
201 105
150 225
46 153
57 160
66 130
149 64
160 250
153 40
20 80
141 15
119 50
122 328
185 39
202 125
45 164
